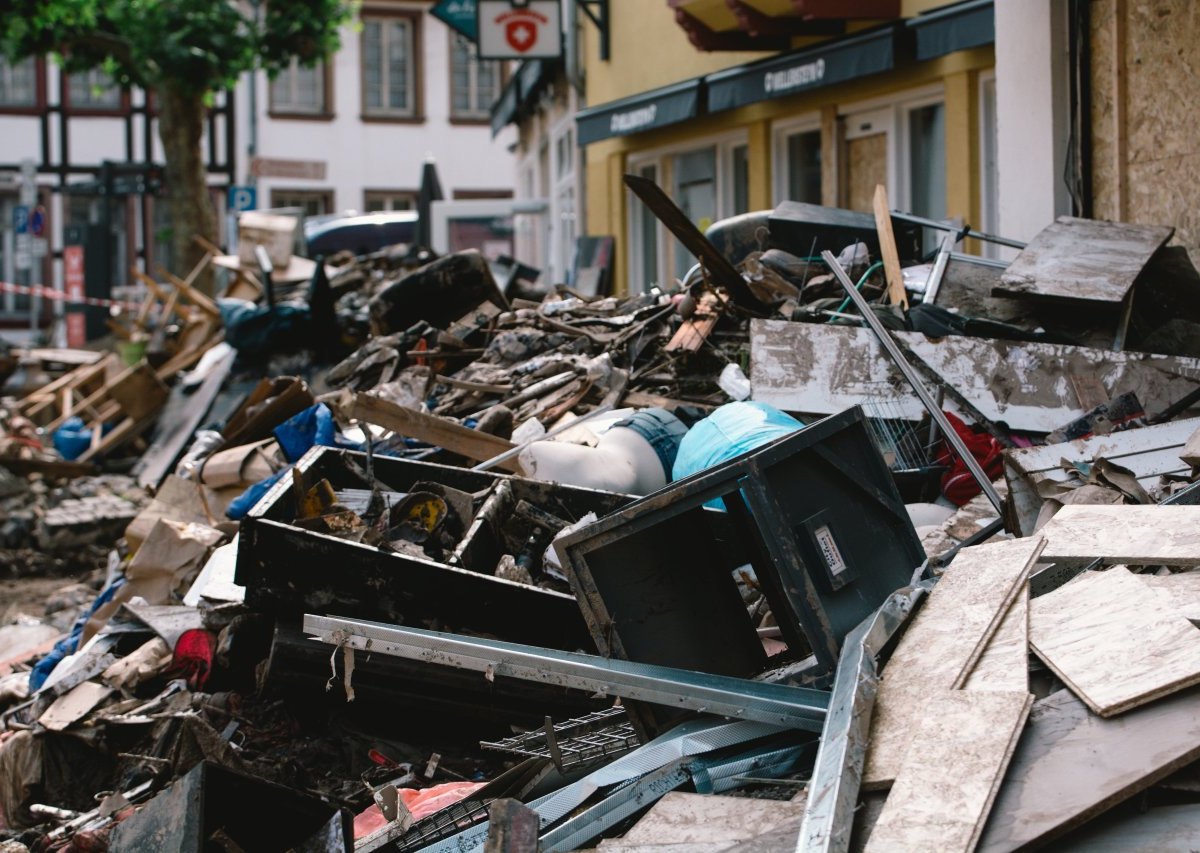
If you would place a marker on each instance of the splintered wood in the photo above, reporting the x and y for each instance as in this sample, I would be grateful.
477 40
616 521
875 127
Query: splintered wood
1138 535
944 791
1114 641
941 648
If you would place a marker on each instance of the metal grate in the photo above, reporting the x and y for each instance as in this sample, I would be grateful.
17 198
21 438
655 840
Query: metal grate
896 435
575 741
444 823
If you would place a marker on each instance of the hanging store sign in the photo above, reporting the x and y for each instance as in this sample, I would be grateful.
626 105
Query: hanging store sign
530 30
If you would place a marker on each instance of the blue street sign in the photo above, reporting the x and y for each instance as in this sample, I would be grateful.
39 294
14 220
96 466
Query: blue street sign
242 198
21 219
459 15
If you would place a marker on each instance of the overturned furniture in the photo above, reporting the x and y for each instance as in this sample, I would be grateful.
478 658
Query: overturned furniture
815 514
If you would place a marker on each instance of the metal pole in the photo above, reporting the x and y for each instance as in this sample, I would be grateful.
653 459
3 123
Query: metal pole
934 283
897 357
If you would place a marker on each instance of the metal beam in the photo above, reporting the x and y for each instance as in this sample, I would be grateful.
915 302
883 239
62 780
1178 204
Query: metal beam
897 357
833 790
777 704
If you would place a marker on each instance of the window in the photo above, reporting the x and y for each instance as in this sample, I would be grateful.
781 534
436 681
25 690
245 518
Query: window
389 68
798 160
927 166
376 201
300 91
18 83
709 183
93 90
312 202
474 83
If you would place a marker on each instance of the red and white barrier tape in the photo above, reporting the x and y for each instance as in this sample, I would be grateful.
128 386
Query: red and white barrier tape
50 293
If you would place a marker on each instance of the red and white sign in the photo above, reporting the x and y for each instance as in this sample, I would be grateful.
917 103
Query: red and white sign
73 285
512 30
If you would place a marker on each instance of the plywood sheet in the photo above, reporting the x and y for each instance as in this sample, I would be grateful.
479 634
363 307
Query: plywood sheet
821 369
942 645
1150 534
1114 641
866 168
1183 589
1085 259
1071 765
945 789
684 818
1169 829
1004 664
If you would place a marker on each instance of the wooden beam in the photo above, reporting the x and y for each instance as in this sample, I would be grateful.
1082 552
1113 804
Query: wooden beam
431 429
887 248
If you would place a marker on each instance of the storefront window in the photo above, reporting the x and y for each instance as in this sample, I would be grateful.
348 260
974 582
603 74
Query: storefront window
927 164
803 166
696 194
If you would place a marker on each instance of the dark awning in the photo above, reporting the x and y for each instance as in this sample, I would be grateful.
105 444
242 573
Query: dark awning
967 25
811 68
657 108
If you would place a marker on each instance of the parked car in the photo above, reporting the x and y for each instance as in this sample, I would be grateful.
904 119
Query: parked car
360 233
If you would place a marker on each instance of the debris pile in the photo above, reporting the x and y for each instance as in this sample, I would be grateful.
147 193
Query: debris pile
848 539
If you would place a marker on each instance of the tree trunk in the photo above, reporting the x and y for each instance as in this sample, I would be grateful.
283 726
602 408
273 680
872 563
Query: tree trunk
181 128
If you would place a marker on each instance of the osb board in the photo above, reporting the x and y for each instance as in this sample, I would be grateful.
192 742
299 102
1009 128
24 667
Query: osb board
1168 829
1084 259
1114 641
1004 664
685 818
866 167
942 645
821 369
1181 588
945 789
1139 535
1162 51
1071 765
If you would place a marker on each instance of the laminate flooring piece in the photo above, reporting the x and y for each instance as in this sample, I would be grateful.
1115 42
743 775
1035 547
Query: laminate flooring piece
1114 641
946 787
1138 535
939 650
1004 664
1167 829
1071 765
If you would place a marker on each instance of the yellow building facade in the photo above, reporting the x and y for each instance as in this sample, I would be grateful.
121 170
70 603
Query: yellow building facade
907 102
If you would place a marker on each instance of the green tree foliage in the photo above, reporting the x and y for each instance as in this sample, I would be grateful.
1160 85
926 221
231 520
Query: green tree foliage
183 50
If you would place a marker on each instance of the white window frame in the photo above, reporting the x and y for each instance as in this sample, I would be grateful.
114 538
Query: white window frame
289 79
389 198
988 196
890 115
480 102
781 131
564 198
661 159
411 59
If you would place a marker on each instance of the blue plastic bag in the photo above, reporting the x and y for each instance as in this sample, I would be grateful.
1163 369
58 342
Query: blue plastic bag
69 644
730 431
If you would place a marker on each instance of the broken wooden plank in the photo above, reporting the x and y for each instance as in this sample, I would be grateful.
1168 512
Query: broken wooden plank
1138 535
1149 452
431 429
945 790
1114 641
941 647
887 248
1004 664
1072 765
1083 259
821 369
